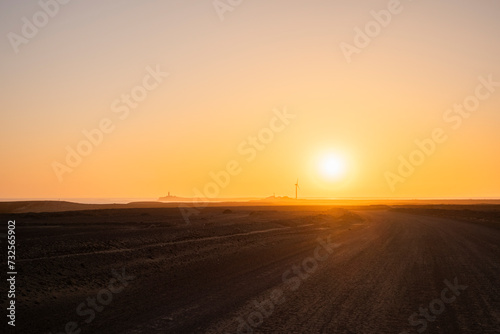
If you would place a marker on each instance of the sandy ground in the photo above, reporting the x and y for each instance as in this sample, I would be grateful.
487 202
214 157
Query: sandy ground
259 270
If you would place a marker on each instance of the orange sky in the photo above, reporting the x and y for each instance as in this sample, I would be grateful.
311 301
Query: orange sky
228 80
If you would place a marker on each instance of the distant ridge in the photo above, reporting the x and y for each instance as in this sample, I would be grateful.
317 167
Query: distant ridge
14 207
173 198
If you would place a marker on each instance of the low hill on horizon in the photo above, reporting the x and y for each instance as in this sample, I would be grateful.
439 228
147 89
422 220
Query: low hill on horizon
13 207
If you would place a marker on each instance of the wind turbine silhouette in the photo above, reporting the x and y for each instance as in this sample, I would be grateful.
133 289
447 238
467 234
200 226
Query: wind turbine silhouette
296 187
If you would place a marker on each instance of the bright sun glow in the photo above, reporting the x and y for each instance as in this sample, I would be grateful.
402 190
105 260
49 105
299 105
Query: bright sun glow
332 167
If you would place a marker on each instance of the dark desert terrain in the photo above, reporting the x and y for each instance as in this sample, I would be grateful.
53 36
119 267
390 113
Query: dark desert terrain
259 269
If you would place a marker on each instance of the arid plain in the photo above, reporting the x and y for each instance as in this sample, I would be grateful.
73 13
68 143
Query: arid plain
258 269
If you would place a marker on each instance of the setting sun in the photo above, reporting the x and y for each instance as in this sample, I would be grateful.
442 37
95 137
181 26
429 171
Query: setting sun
332 166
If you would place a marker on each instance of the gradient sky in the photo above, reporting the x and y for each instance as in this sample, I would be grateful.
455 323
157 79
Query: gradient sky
227 77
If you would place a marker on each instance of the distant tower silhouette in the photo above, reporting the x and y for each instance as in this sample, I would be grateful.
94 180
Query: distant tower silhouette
169 194
296 187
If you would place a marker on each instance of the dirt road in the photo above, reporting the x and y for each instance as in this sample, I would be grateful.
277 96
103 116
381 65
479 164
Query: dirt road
269 271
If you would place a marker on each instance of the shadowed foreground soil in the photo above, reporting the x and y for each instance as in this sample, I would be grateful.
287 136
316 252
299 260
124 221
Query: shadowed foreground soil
258 270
